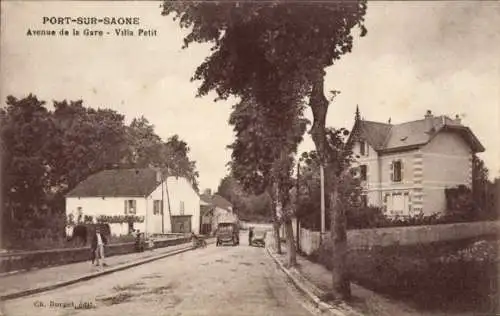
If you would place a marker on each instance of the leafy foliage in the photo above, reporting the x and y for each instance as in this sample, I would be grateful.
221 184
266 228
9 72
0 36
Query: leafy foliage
249 207
265 141
120 219
485 193
340 156
262 46
146 149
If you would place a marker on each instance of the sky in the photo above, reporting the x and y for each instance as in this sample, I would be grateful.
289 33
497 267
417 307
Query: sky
441 56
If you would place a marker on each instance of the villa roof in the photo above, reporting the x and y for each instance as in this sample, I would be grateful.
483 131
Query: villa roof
384 137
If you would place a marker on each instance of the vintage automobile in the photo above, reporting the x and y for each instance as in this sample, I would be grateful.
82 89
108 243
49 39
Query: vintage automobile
227 233
259 238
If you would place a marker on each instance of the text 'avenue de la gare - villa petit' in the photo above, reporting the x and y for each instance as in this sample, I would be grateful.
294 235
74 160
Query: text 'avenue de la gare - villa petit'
91 27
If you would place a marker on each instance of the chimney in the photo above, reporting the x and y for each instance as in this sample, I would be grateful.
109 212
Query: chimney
429 120
208 192
158 176
458 120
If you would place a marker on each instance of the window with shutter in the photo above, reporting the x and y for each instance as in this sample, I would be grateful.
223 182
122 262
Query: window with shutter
396 171
130 207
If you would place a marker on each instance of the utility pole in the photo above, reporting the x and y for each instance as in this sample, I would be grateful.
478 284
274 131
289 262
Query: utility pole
297 224
322 179
162 203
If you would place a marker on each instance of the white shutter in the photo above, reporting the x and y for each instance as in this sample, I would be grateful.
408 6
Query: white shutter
126 207
391 170
134 205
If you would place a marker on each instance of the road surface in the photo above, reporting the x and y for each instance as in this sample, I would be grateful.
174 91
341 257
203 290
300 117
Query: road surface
227 280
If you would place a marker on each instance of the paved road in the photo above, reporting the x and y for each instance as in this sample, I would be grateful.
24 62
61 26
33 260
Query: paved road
215 281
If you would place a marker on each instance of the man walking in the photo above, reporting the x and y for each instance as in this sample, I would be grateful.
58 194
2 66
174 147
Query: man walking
98 241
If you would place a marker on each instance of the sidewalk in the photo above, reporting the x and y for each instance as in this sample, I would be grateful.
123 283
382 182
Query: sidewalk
317 279
48 276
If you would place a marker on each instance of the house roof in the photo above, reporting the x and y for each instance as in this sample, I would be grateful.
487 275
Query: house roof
206 199
395 137
221 202
117 182
215 200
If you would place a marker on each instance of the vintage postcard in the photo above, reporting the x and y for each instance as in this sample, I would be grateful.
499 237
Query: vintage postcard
274 157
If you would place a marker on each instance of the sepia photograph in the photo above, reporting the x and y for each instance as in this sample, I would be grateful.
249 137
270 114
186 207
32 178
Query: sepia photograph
249 157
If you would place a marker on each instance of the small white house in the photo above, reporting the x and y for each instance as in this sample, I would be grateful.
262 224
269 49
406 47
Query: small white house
216 209
157 205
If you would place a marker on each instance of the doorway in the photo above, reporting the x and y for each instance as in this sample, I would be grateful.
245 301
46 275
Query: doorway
181 224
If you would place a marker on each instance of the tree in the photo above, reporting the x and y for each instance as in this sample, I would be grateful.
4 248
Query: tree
89 141
143 142
249 207
482 190
176 156
146 149
27 138
281 46
262 157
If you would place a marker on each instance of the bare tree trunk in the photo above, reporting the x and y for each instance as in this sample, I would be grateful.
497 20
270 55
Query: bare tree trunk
292 254
340 279
319 106
277 239
276 224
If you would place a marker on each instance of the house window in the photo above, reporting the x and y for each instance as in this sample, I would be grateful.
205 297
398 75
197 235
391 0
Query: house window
362 148
363 172
181 208
130 207
397 171
157 207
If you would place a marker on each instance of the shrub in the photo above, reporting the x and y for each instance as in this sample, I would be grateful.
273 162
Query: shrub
365 217
458 276
460 204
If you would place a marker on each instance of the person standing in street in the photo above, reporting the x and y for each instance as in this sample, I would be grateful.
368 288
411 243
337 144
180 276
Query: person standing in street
98 242
138 241
250 236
